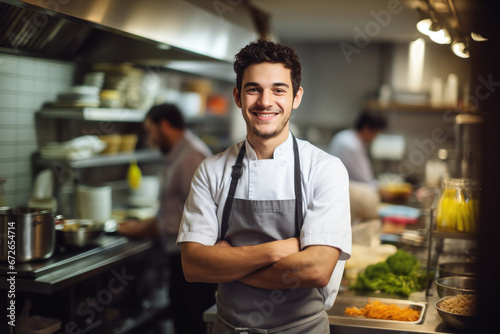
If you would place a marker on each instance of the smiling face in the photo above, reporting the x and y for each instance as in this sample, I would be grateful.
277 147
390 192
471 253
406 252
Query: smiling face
266 100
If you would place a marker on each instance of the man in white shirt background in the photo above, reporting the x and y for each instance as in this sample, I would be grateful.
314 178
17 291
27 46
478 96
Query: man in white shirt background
351 147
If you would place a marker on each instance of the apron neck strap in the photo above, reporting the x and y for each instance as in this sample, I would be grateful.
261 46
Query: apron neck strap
235 176
298 189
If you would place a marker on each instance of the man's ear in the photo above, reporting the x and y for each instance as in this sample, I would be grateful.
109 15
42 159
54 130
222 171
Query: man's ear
237 96
298 98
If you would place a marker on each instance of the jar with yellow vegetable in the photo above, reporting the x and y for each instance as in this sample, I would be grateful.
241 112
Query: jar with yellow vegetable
458 206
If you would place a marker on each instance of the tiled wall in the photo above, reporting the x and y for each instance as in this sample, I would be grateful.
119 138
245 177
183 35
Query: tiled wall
25 85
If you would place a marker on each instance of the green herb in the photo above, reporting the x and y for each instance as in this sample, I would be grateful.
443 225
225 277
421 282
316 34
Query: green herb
399 274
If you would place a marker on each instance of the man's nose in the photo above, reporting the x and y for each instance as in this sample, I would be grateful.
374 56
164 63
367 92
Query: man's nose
266 99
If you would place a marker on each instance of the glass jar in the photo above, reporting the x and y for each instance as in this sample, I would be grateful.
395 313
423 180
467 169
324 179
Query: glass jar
458 206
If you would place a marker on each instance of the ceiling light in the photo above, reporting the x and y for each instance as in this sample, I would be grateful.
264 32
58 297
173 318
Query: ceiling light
460 49
424 26
428 26
428 22
441 36
478 37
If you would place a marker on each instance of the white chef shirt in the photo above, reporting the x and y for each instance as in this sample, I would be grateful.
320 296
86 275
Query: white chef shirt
348 147
325 191
180 165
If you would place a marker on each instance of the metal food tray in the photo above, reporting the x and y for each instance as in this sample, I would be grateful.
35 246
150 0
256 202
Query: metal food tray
341 303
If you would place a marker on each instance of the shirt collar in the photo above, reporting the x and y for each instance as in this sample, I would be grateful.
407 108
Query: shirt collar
281 151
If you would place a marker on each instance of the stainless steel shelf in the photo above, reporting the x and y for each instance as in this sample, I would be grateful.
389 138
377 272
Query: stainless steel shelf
94 114
453 235
103 160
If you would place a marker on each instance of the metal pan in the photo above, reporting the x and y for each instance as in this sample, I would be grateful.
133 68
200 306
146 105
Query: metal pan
337 311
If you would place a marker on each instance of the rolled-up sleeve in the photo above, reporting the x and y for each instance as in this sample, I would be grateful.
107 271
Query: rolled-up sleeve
327 218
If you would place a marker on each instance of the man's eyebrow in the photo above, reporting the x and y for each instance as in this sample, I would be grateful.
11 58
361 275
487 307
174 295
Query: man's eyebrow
255 84
250 84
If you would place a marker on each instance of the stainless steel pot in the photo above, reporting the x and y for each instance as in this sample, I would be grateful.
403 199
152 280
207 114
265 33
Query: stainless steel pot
26 233
78 232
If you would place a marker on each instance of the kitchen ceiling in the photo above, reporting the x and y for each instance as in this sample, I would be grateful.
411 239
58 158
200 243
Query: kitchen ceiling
341 20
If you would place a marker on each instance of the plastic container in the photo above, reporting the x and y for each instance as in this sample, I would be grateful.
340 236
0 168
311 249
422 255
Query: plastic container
128 143
110 98
113 143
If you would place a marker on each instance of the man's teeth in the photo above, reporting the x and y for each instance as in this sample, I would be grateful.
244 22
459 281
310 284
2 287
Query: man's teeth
265 115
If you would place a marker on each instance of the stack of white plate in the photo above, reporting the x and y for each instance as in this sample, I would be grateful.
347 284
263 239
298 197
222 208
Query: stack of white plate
95 79
79 96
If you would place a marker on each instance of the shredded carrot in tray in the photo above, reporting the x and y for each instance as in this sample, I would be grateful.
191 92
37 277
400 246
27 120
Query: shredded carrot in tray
378 310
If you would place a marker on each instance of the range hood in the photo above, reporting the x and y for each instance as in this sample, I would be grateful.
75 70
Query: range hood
125 30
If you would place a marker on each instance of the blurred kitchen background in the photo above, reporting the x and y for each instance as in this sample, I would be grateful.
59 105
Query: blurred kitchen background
74 70
353 55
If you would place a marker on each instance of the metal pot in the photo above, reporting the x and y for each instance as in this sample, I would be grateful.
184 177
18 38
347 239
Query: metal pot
83 233
27 234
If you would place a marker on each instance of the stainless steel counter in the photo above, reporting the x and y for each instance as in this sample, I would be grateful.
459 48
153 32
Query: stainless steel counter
66 269
431 323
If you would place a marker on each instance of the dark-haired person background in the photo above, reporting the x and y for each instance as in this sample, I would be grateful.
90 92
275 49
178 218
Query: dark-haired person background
351 146
184 152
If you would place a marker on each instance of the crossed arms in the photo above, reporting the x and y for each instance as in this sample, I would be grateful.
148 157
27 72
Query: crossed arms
273 265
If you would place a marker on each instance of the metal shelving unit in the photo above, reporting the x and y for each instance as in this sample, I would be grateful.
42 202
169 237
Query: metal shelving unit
94 114
434 234
145 155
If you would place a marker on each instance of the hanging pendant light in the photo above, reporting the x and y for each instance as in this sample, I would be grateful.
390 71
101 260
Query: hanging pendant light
423 26
461 49
478 37
441 36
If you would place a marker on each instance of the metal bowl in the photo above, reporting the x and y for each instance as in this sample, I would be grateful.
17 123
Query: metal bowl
79 232
456 321
454 285
457 269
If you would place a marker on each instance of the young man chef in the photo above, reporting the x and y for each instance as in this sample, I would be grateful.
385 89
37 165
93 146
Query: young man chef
268 219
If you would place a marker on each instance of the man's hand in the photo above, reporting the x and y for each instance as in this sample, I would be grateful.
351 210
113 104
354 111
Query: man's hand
310 268
130 227
289 246
138 228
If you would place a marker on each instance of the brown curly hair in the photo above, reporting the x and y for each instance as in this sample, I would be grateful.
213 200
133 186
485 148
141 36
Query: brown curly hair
262 51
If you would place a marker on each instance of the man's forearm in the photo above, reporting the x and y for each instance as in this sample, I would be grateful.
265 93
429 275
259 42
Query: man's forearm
219 264
310 268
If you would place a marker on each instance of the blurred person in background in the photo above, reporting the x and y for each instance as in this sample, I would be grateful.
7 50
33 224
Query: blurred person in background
351 147
184 152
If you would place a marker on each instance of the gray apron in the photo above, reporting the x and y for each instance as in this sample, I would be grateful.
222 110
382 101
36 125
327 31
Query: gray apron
244 309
